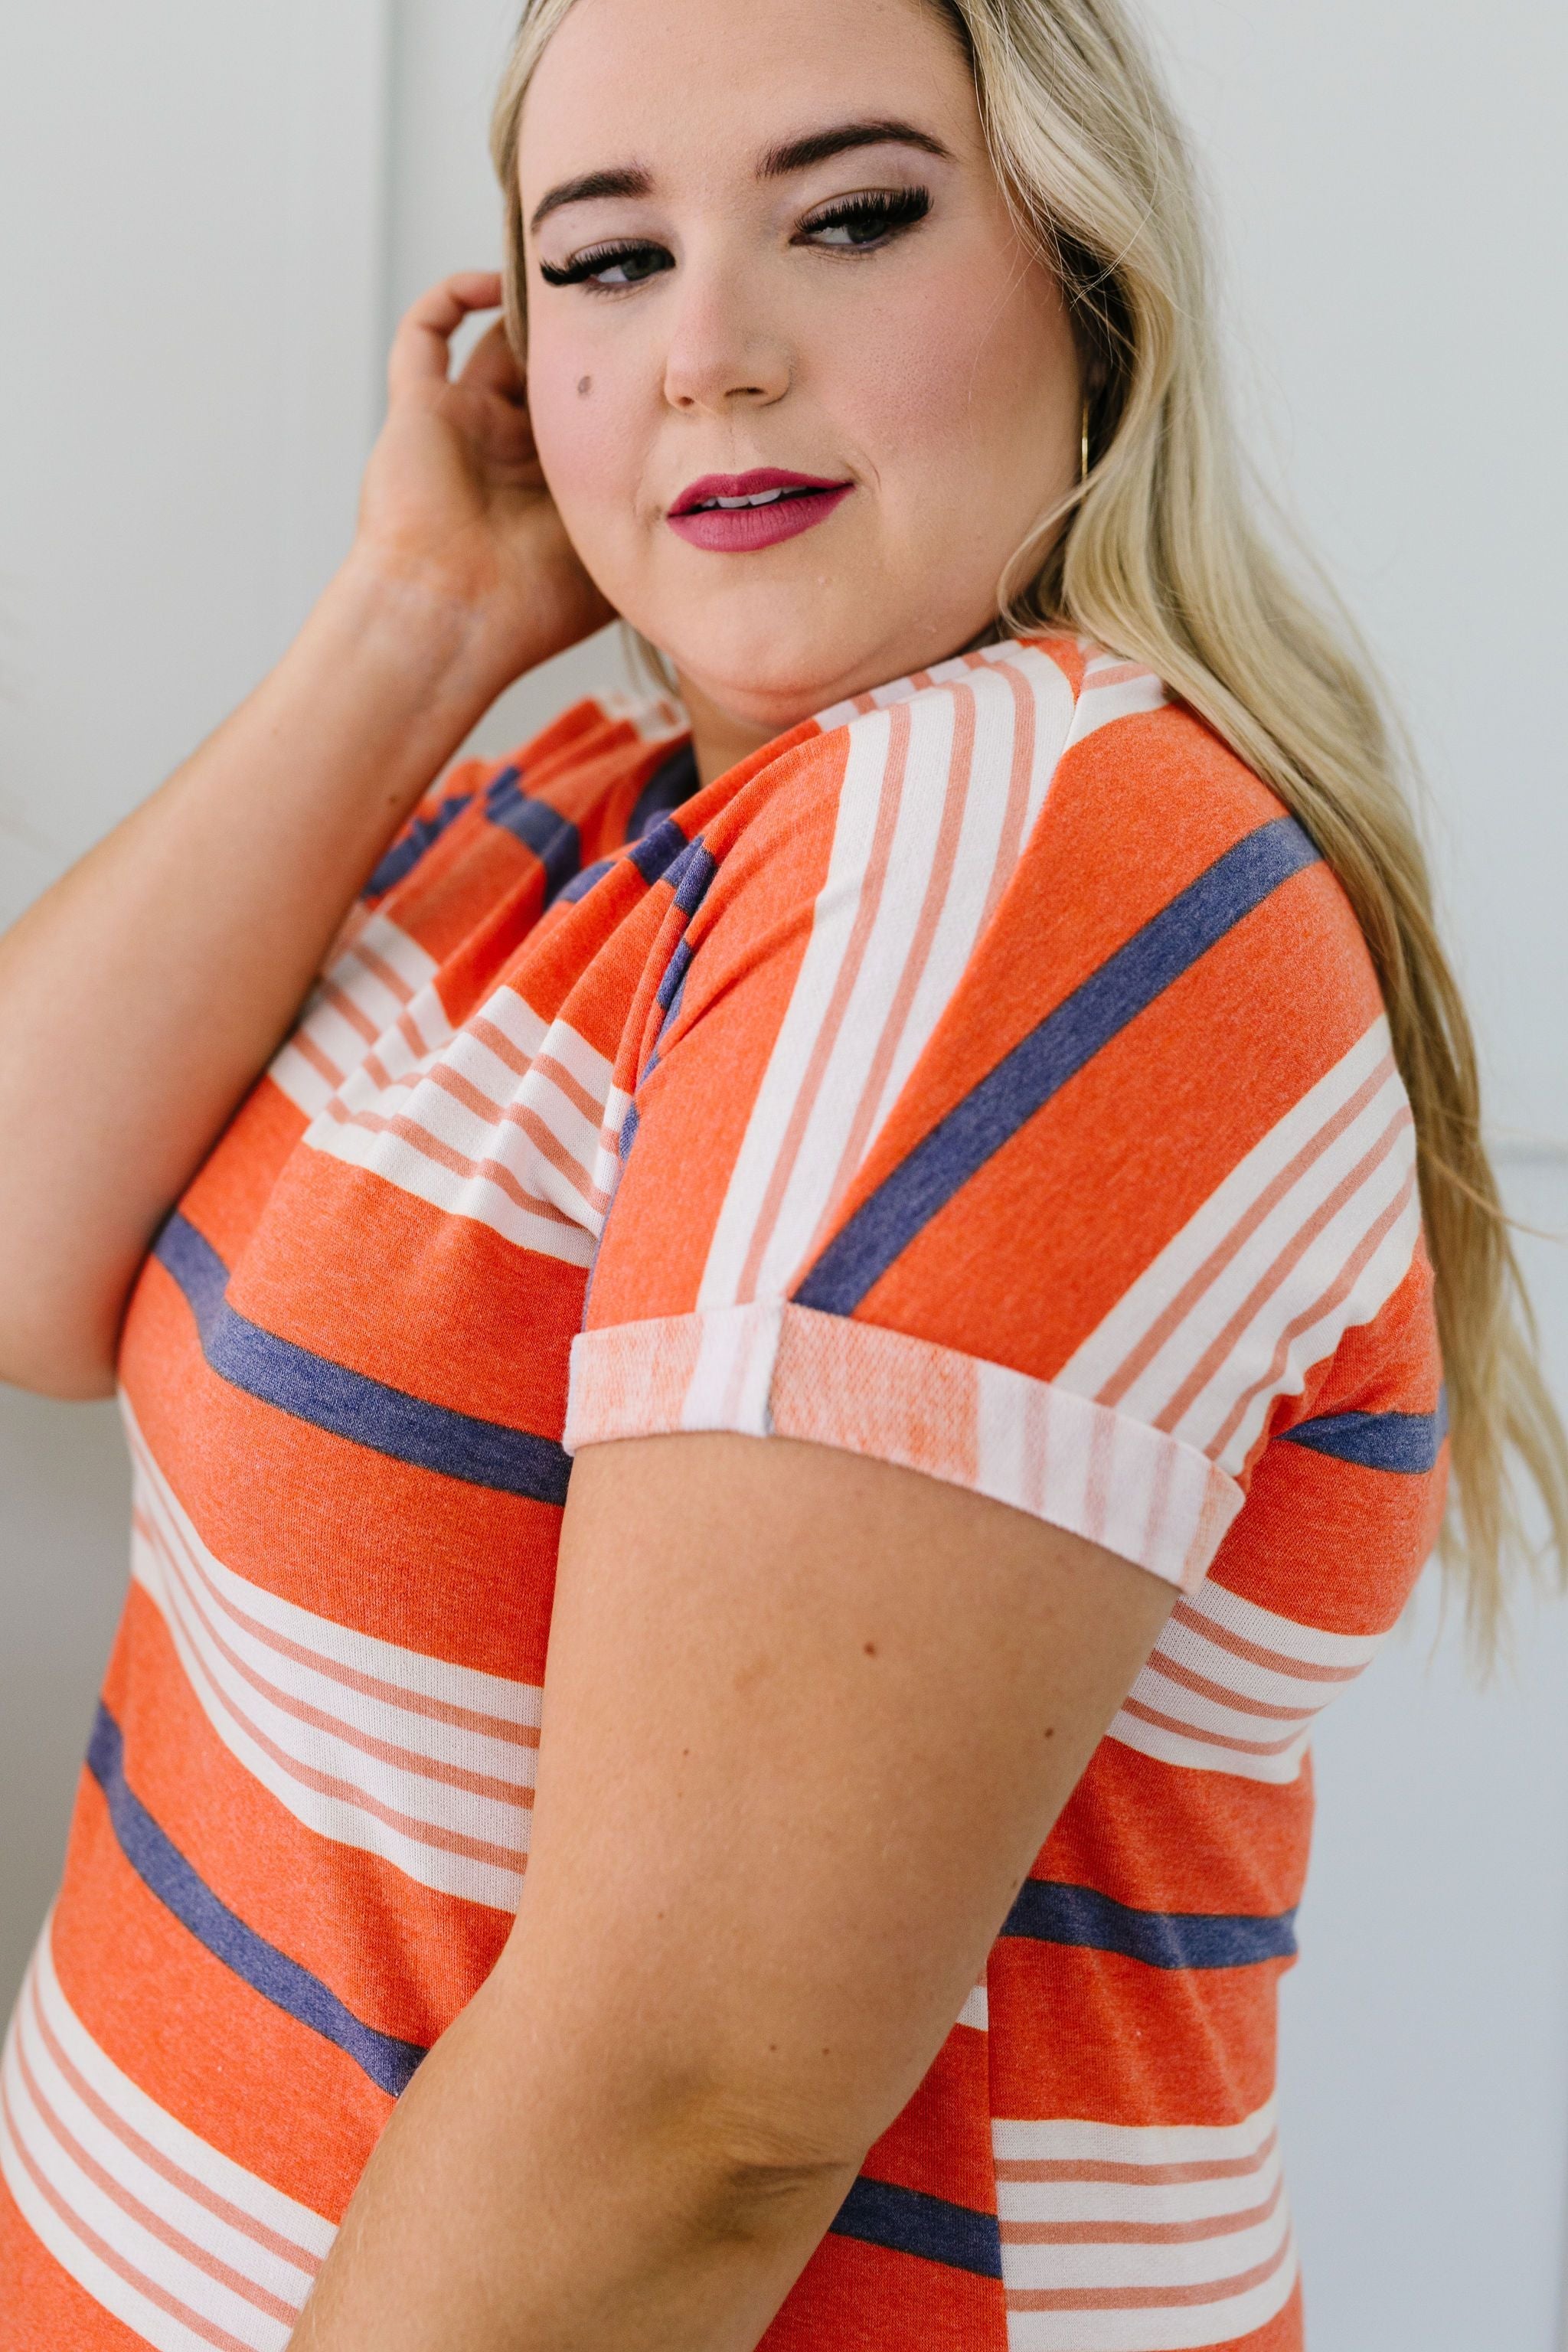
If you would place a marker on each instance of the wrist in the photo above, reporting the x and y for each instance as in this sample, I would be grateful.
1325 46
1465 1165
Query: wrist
434 651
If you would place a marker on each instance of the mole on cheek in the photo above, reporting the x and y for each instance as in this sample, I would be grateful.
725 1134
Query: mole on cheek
586 383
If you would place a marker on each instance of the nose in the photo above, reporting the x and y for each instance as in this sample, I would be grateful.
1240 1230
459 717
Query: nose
723 353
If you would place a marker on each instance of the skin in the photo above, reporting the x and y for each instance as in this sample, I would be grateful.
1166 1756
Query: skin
936 371
750 1920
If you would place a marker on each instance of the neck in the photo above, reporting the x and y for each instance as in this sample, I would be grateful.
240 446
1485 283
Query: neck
719 740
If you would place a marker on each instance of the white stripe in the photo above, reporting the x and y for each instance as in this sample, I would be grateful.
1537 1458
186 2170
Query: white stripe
872 1026
1218 1287
1239 1740
342 1759
58 2135
976 2011
510 1181
1103 699
337 1038
1223 2216
1100 1357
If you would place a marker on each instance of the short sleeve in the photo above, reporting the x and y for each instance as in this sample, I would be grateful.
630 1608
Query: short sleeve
1018 1106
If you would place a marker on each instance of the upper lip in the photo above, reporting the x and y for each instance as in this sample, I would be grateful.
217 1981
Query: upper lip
761 478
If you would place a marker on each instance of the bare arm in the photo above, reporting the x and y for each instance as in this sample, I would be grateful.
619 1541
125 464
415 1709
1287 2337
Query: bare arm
141 996
808 1719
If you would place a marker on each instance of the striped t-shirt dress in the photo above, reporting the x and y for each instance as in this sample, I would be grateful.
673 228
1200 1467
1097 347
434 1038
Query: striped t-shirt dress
988 1076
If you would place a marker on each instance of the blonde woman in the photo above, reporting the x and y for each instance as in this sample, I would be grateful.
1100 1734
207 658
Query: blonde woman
952 1125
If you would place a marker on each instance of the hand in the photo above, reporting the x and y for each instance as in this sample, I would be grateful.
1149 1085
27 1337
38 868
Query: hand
455 501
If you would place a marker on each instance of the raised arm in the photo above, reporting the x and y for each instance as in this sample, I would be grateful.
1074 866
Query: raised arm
142 996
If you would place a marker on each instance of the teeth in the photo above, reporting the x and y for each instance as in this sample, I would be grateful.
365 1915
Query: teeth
762 498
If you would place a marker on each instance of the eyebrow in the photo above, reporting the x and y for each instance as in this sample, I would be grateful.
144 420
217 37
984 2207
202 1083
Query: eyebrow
777 163
819 146
632 180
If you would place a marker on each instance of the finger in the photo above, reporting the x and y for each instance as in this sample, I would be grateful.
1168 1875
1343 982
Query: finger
492 367
421 347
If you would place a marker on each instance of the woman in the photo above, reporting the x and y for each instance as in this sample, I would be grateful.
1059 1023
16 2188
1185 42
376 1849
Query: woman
988 1042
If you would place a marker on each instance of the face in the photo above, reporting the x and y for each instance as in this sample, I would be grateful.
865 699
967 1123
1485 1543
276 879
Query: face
768 262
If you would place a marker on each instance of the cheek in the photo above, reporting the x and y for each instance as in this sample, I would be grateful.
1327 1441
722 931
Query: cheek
581 427
962 386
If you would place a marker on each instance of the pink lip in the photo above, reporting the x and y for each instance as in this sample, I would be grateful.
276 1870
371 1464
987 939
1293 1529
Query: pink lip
736 530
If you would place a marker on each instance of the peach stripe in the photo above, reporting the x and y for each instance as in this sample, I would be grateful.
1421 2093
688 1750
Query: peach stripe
1148 2298
827 1038
144 2286
1221 1348
1010 842
1142 1714
305 1046
956 799
1213 1265
379 968
578 1094
544 1139
1338 1290
344 1005
457 1164
1203 1688
439 1710
358 1799
1123 674
1137 2176
1140 2233
497 1042
385 1751
188 2183
1277 1662
165 2232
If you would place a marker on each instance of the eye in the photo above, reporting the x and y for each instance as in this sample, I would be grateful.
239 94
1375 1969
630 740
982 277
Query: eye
857 224
609 267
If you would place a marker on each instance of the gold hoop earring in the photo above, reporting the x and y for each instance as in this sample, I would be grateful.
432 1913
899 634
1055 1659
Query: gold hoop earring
1083 449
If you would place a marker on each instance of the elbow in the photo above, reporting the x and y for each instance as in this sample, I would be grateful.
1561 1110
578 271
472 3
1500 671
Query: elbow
753 2178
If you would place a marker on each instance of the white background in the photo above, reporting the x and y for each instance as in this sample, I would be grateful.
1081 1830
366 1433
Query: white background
212 212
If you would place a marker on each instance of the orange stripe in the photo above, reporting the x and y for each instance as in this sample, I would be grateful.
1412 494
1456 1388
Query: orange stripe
457 1164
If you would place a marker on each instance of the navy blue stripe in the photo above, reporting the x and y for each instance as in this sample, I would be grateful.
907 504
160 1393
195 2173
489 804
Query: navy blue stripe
162 1868
350 1404
405 853
1043 1061
907 2222
690 875
672 782
657 850
675 972
581 883
1409 1443
553 837
1046 1912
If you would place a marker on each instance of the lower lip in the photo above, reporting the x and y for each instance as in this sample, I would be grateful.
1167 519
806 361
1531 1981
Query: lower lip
738 531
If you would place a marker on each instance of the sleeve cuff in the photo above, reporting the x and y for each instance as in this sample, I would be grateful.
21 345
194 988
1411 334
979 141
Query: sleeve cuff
779 1369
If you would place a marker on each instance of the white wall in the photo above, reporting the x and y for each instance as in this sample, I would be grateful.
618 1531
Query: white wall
213 213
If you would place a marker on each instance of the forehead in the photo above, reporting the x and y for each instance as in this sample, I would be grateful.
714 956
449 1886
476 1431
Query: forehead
700 90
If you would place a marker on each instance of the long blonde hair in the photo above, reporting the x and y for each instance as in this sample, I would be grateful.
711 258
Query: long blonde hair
1156 556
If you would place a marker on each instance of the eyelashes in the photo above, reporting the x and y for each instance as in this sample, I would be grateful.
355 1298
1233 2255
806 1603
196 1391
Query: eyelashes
860 224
